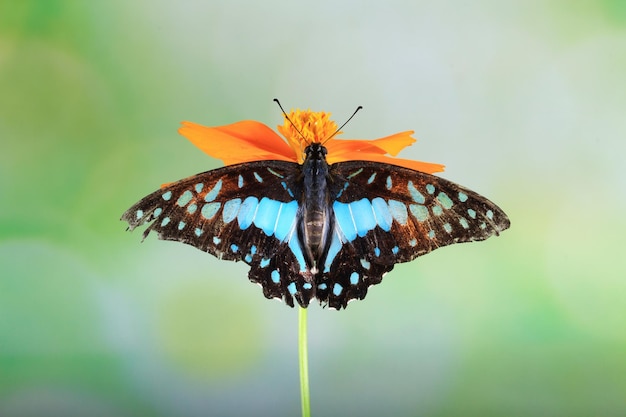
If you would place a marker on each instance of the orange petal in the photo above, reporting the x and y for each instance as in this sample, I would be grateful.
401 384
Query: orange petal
248 141
388 145
243 141
376 150
393 144
426 167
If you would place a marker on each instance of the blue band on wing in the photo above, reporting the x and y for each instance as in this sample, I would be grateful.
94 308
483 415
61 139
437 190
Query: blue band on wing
266 214
247 211
363 215
344 220
382 213
285 219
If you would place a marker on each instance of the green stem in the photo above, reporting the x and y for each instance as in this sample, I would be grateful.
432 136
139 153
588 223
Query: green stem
304 363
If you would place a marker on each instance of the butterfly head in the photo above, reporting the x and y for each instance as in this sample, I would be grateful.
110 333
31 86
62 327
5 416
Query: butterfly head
315 151
305 128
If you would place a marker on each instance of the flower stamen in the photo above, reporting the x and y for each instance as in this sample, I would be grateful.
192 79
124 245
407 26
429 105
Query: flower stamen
304 127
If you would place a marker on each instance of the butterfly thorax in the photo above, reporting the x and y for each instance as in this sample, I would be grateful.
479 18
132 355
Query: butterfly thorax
316 215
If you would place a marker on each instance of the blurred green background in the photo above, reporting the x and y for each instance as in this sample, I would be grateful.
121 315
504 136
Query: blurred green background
524 101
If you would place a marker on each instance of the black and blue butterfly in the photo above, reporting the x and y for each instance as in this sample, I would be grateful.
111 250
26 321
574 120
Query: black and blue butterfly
315 230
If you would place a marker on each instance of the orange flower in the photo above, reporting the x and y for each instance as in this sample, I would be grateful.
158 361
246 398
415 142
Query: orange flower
248 141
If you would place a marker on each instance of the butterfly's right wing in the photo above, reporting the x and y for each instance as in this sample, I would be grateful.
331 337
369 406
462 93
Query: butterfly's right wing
386 214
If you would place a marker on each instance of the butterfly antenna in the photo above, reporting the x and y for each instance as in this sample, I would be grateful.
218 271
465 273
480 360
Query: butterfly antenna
287 117
345 123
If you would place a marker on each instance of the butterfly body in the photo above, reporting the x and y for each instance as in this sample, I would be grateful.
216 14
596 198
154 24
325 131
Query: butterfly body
315 230
316 222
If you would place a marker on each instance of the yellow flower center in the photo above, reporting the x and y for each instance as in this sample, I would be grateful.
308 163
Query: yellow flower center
304 127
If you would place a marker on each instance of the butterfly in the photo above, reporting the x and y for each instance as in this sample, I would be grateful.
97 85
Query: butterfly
314 229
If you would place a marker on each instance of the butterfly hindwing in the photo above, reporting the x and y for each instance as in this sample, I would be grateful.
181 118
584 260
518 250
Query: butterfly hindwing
349 271
281 277
386 214
244 212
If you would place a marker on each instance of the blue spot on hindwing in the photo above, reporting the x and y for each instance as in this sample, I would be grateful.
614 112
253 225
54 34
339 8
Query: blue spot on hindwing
333 250
294 245
167 195
337 289
275 276
354 279
365 263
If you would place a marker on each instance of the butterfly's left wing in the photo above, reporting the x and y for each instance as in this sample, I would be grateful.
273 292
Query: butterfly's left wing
246 212
386 214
